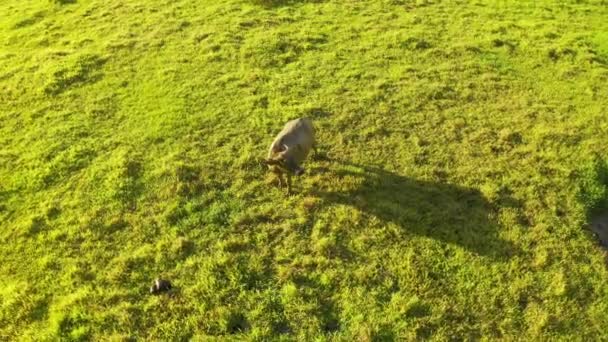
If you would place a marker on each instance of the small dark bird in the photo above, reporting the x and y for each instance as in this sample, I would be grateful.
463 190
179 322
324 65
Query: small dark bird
160 285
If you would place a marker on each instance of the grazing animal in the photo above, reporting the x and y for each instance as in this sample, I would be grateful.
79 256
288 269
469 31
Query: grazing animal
290 148
160 285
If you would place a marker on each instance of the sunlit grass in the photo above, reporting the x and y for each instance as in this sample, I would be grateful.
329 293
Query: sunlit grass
463 148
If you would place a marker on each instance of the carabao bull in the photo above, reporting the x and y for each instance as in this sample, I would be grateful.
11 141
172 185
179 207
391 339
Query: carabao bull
290 148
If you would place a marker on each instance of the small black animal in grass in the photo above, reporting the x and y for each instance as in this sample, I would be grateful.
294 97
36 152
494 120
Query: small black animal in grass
160 286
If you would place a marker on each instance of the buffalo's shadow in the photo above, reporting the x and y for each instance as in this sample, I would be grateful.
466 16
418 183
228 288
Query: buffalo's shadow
449 213
282 3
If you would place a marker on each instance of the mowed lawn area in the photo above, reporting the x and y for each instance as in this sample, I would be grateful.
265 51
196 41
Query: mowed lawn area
463 152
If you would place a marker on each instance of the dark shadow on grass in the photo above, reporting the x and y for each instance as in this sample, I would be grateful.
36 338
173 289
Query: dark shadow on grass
452 214
281 3
4 197
593 194
599 227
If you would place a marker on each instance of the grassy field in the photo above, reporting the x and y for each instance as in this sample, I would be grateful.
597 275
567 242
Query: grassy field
463 151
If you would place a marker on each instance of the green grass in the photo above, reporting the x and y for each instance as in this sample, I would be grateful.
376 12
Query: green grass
463 150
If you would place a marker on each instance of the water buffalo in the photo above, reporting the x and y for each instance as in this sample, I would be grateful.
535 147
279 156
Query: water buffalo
290 148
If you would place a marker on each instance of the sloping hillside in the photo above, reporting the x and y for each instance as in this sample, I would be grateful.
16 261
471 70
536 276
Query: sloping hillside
463 151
